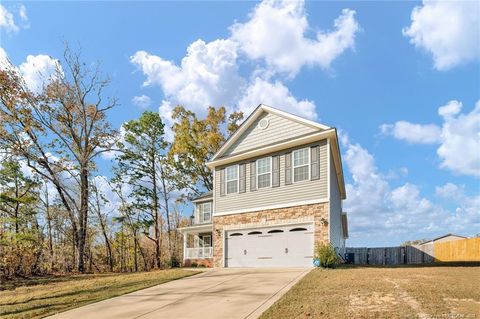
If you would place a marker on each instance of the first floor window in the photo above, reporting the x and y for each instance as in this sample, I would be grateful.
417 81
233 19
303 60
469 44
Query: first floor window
231 178
264 172
206 241
301 165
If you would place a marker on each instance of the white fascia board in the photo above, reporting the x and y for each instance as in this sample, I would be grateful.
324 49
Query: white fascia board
196 228
294 117
272 148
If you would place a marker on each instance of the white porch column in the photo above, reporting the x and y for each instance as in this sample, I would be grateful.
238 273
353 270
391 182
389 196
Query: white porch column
185 235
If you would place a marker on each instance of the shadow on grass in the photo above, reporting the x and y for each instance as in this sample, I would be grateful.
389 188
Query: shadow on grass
12 283
120 288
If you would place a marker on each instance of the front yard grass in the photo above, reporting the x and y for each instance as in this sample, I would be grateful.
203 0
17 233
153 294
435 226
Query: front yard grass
377 292
40 297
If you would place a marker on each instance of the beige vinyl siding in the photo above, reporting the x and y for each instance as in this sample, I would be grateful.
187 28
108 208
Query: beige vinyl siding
336 232
279 129
274 196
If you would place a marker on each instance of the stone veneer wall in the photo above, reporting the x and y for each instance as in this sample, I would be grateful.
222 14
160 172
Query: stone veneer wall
305 213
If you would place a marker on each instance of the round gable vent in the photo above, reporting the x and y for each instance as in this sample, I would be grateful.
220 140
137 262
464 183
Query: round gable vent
263 124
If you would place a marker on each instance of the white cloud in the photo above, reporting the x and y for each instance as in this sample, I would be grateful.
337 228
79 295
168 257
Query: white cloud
448 30
382 214
38 71
450 109
458 137
277 95
465 204
7 21
460 146
22 13
143 101
208 75
413 133
276 33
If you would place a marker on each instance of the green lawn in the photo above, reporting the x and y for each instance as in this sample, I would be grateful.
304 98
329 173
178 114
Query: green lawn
40 297
402 292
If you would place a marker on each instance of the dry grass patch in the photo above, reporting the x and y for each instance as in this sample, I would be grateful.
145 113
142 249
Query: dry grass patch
403 292
37 298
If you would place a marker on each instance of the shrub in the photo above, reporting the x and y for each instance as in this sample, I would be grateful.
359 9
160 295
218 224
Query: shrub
174 262
193 264
327 255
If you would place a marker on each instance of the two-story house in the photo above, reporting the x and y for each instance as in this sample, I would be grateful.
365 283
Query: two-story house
278 191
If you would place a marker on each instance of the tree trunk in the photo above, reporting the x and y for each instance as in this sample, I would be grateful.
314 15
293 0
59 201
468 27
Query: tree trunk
17 206
83 214
167 211
155 214
49 225
108 247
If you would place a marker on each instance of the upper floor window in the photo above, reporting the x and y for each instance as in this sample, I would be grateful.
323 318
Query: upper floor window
231 179
264 172
301 164
206 212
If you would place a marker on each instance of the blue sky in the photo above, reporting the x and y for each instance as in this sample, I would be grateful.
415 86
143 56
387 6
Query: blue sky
379 74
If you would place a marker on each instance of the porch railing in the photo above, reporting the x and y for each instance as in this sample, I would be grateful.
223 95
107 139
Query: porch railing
200 252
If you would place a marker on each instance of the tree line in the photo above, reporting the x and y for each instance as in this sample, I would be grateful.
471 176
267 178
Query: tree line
58 213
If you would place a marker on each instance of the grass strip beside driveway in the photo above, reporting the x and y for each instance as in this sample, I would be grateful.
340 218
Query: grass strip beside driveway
40 297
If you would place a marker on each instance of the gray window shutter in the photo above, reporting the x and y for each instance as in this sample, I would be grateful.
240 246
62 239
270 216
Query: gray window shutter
222 182
242 178
275 171
315 162
253 176
288 168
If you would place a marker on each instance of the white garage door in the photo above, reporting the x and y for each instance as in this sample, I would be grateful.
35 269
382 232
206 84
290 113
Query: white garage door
280 246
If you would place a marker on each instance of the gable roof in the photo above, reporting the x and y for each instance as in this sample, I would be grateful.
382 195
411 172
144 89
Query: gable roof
435 239
253 116
324 132
203 197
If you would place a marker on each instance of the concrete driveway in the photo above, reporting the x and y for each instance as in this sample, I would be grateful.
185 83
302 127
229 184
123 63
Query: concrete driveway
217 293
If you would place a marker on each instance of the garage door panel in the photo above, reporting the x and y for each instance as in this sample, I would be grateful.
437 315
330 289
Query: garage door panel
300 245
279 246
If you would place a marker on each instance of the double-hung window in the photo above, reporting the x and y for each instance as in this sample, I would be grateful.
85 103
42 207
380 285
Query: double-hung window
264 172
206 212
231 179
301 164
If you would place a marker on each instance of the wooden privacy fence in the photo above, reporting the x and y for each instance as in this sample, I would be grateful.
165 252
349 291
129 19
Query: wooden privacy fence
464 250
389 255
458 250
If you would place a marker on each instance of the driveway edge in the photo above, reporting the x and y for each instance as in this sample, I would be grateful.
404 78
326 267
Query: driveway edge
270 301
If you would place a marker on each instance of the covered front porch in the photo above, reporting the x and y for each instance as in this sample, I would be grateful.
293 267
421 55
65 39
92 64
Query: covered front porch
197 245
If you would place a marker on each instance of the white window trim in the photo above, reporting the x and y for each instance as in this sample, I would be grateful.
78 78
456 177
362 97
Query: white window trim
271 172
308 165
203 211
227 180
